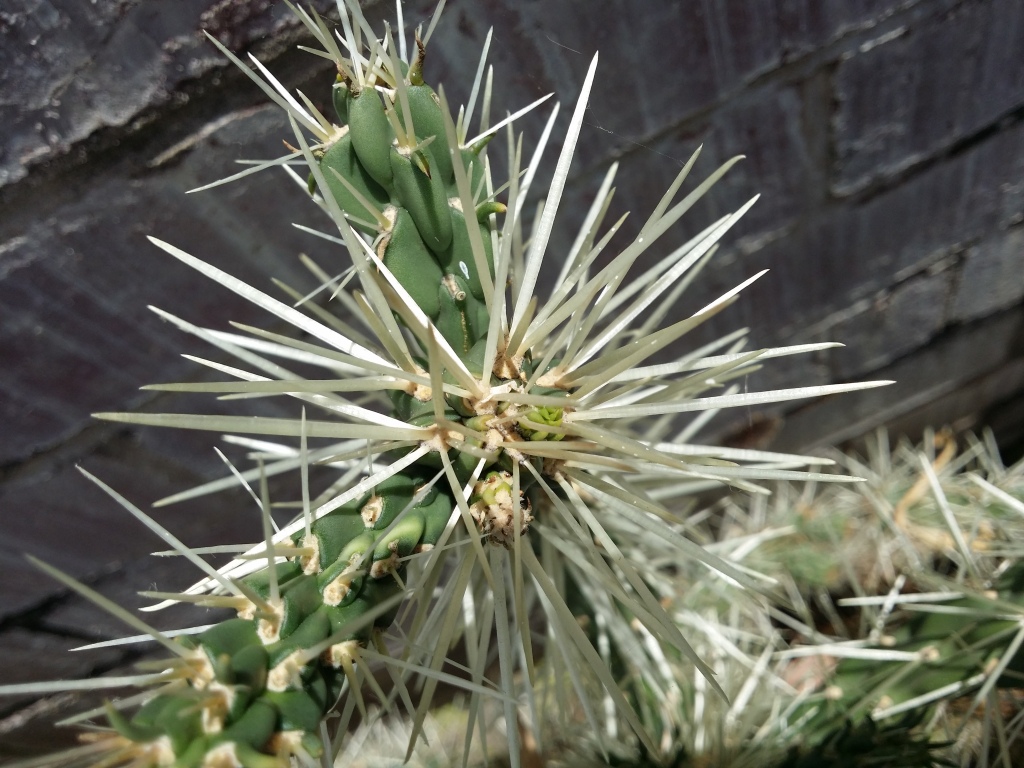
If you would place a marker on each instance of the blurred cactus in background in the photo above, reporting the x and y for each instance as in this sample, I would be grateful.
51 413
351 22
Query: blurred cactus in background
493 493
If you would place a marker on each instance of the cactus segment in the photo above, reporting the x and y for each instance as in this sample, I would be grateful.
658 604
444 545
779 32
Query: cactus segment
411 408
225 639
341 162
371 135
253 729
310 631
403 252
456 320
252 685
331 533
176 718
429 121
132 730
426 199
400 542
249 668
952 648
301 709
458 259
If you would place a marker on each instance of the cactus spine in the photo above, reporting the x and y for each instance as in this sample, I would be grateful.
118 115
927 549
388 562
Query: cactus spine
514 467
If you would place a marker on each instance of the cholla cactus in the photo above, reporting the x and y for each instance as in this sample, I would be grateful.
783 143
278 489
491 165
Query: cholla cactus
903 634
508 466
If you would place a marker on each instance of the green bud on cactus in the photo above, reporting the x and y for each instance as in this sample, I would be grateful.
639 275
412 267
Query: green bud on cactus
546 415
495 511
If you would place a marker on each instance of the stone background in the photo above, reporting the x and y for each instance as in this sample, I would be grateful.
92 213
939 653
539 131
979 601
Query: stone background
885 137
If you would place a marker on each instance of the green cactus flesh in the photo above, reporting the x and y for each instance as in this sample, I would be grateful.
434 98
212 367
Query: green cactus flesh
264 681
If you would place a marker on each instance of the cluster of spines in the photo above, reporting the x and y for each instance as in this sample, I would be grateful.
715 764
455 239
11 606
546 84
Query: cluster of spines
930 549
260 685
933 673
956 647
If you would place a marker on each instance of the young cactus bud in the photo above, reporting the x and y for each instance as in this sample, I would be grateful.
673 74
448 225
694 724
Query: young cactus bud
545 415
496 513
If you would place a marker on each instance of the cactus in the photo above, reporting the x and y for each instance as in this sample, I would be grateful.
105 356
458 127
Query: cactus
903 636
945 625
504 461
